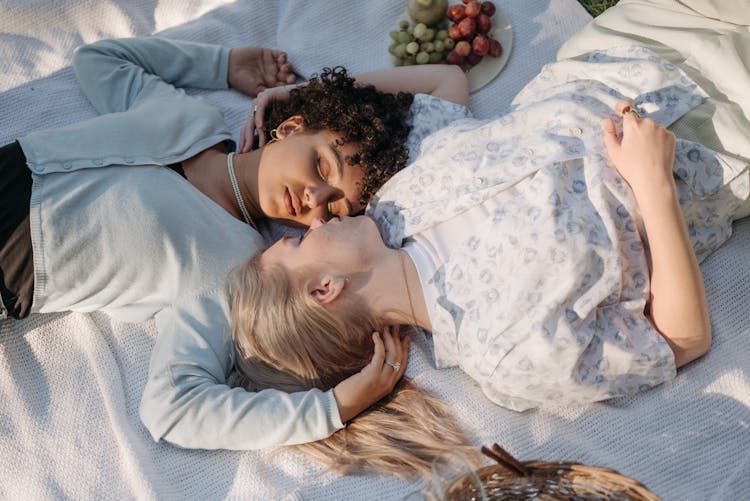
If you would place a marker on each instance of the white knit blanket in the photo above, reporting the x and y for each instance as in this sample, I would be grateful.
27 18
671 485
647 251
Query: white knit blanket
70 384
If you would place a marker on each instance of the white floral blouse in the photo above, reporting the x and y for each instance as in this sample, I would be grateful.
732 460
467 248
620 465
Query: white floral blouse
545 303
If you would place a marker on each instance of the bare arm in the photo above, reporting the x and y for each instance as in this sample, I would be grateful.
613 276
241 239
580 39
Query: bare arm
440 80
679 311
445 81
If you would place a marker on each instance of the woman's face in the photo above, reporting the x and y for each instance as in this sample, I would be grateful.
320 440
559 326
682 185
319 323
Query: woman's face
305 176
344 246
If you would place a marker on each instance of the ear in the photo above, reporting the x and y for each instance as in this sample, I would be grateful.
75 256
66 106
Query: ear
326 288
293 124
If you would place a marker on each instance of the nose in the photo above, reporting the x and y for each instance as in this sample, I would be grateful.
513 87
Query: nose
315 196
316 223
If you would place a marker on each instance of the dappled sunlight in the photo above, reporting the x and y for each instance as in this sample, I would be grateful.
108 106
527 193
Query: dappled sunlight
45 37
733 384
71 384
169 13
39 39
551 30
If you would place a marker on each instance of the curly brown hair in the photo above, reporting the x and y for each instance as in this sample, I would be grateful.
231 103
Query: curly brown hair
374 120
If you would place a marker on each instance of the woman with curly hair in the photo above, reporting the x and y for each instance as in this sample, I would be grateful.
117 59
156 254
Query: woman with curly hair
141 212
374 120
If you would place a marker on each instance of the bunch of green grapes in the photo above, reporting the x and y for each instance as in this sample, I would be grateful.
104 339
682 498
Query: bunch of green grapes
419 43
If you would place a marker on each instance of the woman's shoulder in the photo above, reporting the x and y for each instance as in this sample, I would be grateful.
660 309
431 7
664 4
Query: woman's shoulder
427 105
429 114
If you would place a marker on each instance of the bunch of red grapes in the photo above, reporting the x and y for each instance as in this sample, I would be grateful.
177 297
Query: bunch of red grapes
470 31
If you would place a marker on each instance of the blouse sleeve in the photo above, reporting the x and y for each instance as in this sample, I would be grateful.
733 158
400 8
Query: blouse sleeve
188 401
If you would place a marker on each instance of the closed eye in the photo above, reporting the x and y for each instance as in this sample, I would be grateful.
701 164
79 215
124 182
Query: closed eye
319 168
339 206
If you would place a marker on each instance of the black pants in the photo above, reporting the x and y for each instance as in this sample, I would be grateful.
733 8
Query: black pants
16 257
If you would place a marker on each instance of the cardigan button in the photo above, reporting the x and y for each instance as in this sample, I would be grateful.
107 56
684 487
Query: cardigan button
98 161
129 160
577 131
68 165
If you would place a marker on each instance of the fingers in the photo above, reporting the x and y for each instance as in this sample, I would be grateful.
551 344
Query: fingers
290 77
376 380
609 135
266 71
392 363
390 343
397 352
285 74
246 136
405 346
630 116
622 105
389 352
279 70
260 112
254 123
241 144
378 357
258 116
243 140
270 68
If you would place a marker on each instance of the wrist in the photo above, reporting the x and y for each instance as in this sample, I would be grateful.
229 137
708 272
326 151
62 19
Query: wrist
656 192
346 412
223 66
230 68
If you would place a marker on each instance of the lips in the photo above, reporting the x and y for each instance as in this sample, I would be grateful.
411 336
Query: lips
288 203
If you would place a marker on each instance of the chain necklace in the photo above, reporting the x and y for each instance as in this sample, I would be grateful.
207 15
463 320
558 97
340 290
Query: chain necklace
237 194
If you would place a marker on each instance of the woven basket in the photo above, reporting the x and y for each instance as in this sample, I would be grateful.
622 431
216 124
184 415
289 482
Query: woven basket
511 479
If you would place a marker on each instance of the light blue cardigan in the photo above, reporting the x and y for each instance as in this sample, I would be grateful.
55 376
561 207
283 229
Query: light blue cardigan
113 230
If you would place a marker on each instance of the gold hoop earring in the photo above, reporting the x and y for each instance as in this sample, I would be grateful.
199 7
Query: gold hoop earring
274 136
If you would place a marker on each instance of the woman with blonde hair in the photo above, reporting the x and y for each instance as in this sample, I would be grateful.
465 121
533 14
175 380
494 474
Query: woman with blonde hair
553 263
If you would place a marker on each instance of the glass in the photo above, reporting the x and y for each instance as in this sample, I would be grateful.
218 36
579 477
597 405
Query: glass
446 469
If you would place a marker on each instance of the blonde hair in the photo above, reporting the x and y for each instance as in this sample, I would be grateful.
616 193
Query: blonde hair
286 340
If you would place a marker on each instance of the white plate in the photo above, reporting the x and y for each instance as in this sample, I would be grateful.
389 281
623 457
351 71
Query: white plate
484 72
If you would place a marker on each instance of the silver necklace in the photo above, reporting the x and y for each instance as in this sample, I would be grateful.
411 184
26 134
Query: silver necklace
237 194
402 254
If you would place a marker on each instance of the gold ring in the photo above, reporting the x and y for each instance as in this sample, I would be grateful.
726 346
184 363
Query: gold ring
629 109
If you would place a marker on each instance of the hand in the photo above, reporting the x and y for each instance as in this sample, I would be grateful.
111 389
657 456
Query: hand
255 120
645 155
254 69
377 379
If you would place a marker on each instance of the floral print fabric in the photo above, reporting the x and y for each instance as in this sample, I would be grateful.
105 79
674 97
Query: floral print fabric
544 304
429 114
